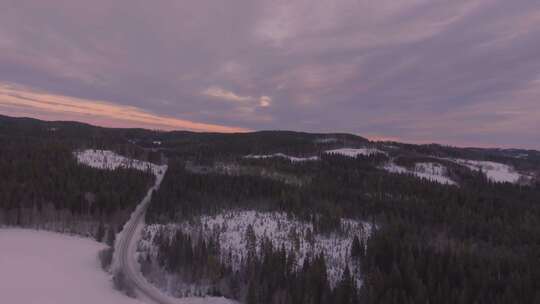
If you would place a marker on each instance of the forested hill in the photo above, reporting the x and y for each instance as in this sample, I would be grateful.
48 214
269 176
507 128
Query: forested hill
290 217
194 144
43 186
435 243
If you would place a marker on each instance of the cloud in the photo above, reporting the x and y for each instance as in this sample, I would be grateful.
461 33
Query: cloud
46 105
450 71
265 101
243 104
219 93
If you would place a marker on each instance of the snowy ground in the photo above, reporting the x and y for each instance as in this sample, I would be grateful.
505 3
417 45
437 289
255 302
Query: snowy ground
39 267
431 171
355 152
293 234
495 172
291 158
104 159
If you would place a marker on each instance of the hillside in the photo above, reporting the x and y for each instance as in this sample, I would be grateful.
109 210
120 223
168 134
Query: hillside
290 217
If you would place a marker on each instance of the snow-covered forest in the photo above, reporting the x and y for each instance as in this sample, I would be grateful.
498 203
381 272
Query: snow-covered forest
306 218
239 234
423 205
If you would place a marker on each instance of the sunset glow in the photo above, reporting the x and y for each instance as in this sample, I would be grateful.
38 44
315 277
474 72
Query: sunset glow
50 106
464 72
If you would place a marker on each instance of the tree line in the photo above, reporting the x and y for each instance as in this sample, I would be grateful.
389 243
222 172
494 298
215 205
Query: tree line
42 186
476 243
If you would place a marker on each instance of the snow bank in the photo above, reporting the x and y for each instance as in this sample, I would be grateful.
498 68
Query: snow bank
351 152
282 230
495 172
51 268
291 158
431 171
108 160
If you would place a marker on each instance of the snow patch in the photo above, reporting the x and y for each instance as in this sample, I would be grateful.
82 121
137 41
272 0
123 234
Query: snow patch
281 155
325 140
352 152
108 160
431 171
495 172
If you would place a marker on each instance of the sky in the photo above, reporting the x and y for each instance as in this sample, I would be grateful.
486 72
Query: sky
458 72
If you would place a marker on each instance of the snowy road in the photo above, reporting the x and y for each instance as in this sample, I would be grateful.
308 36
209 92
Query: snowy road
125 261
126 248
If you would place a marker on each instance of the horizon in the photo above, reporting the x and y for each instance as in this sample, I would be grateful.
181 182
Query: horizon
371 139
460 73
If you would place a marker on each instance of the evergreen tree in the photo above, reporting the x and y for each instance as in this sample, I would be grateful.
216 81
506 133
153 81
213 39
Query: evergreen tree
100 232
356 248
111 237
251 241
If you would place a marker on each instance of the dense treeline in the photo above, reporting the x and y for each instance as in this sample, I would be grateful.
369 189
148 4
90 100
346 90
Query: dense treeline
420 269
43 186
477 243
271 276
193 260
212 146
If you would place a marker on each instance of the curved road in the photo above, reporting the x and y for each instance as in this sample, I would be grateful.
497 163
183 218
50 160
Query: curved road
124 257
125 249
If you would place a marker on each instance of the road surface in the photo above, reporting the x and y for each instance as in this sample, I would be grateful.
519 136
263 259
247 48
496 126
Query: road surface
126 247
124 258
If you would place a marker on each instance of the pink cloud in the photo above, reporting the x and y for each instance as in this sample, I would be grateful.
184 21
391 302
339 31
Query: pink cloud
28 102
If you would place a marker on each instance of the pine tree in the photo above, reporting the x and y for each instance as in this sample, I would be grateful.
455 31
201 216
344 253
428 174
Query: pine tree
251 242
111 237
356 248
100 233
252 294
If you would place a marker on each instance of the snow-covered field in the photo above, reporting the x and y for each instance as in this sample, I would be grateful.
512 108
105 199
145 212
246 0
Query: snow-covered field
495 172
104 159
352 152
282 230
431 171
38 267
291 158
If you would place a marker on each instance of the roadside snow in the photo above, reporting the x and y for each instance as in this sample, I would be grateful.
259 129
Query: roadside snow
431 171
291 158
39 267
108 160
495 172
355 152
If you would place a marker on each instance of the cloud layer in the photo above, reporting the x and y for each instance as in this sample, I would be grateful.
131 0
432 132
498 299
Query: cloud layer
463 72
20 101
